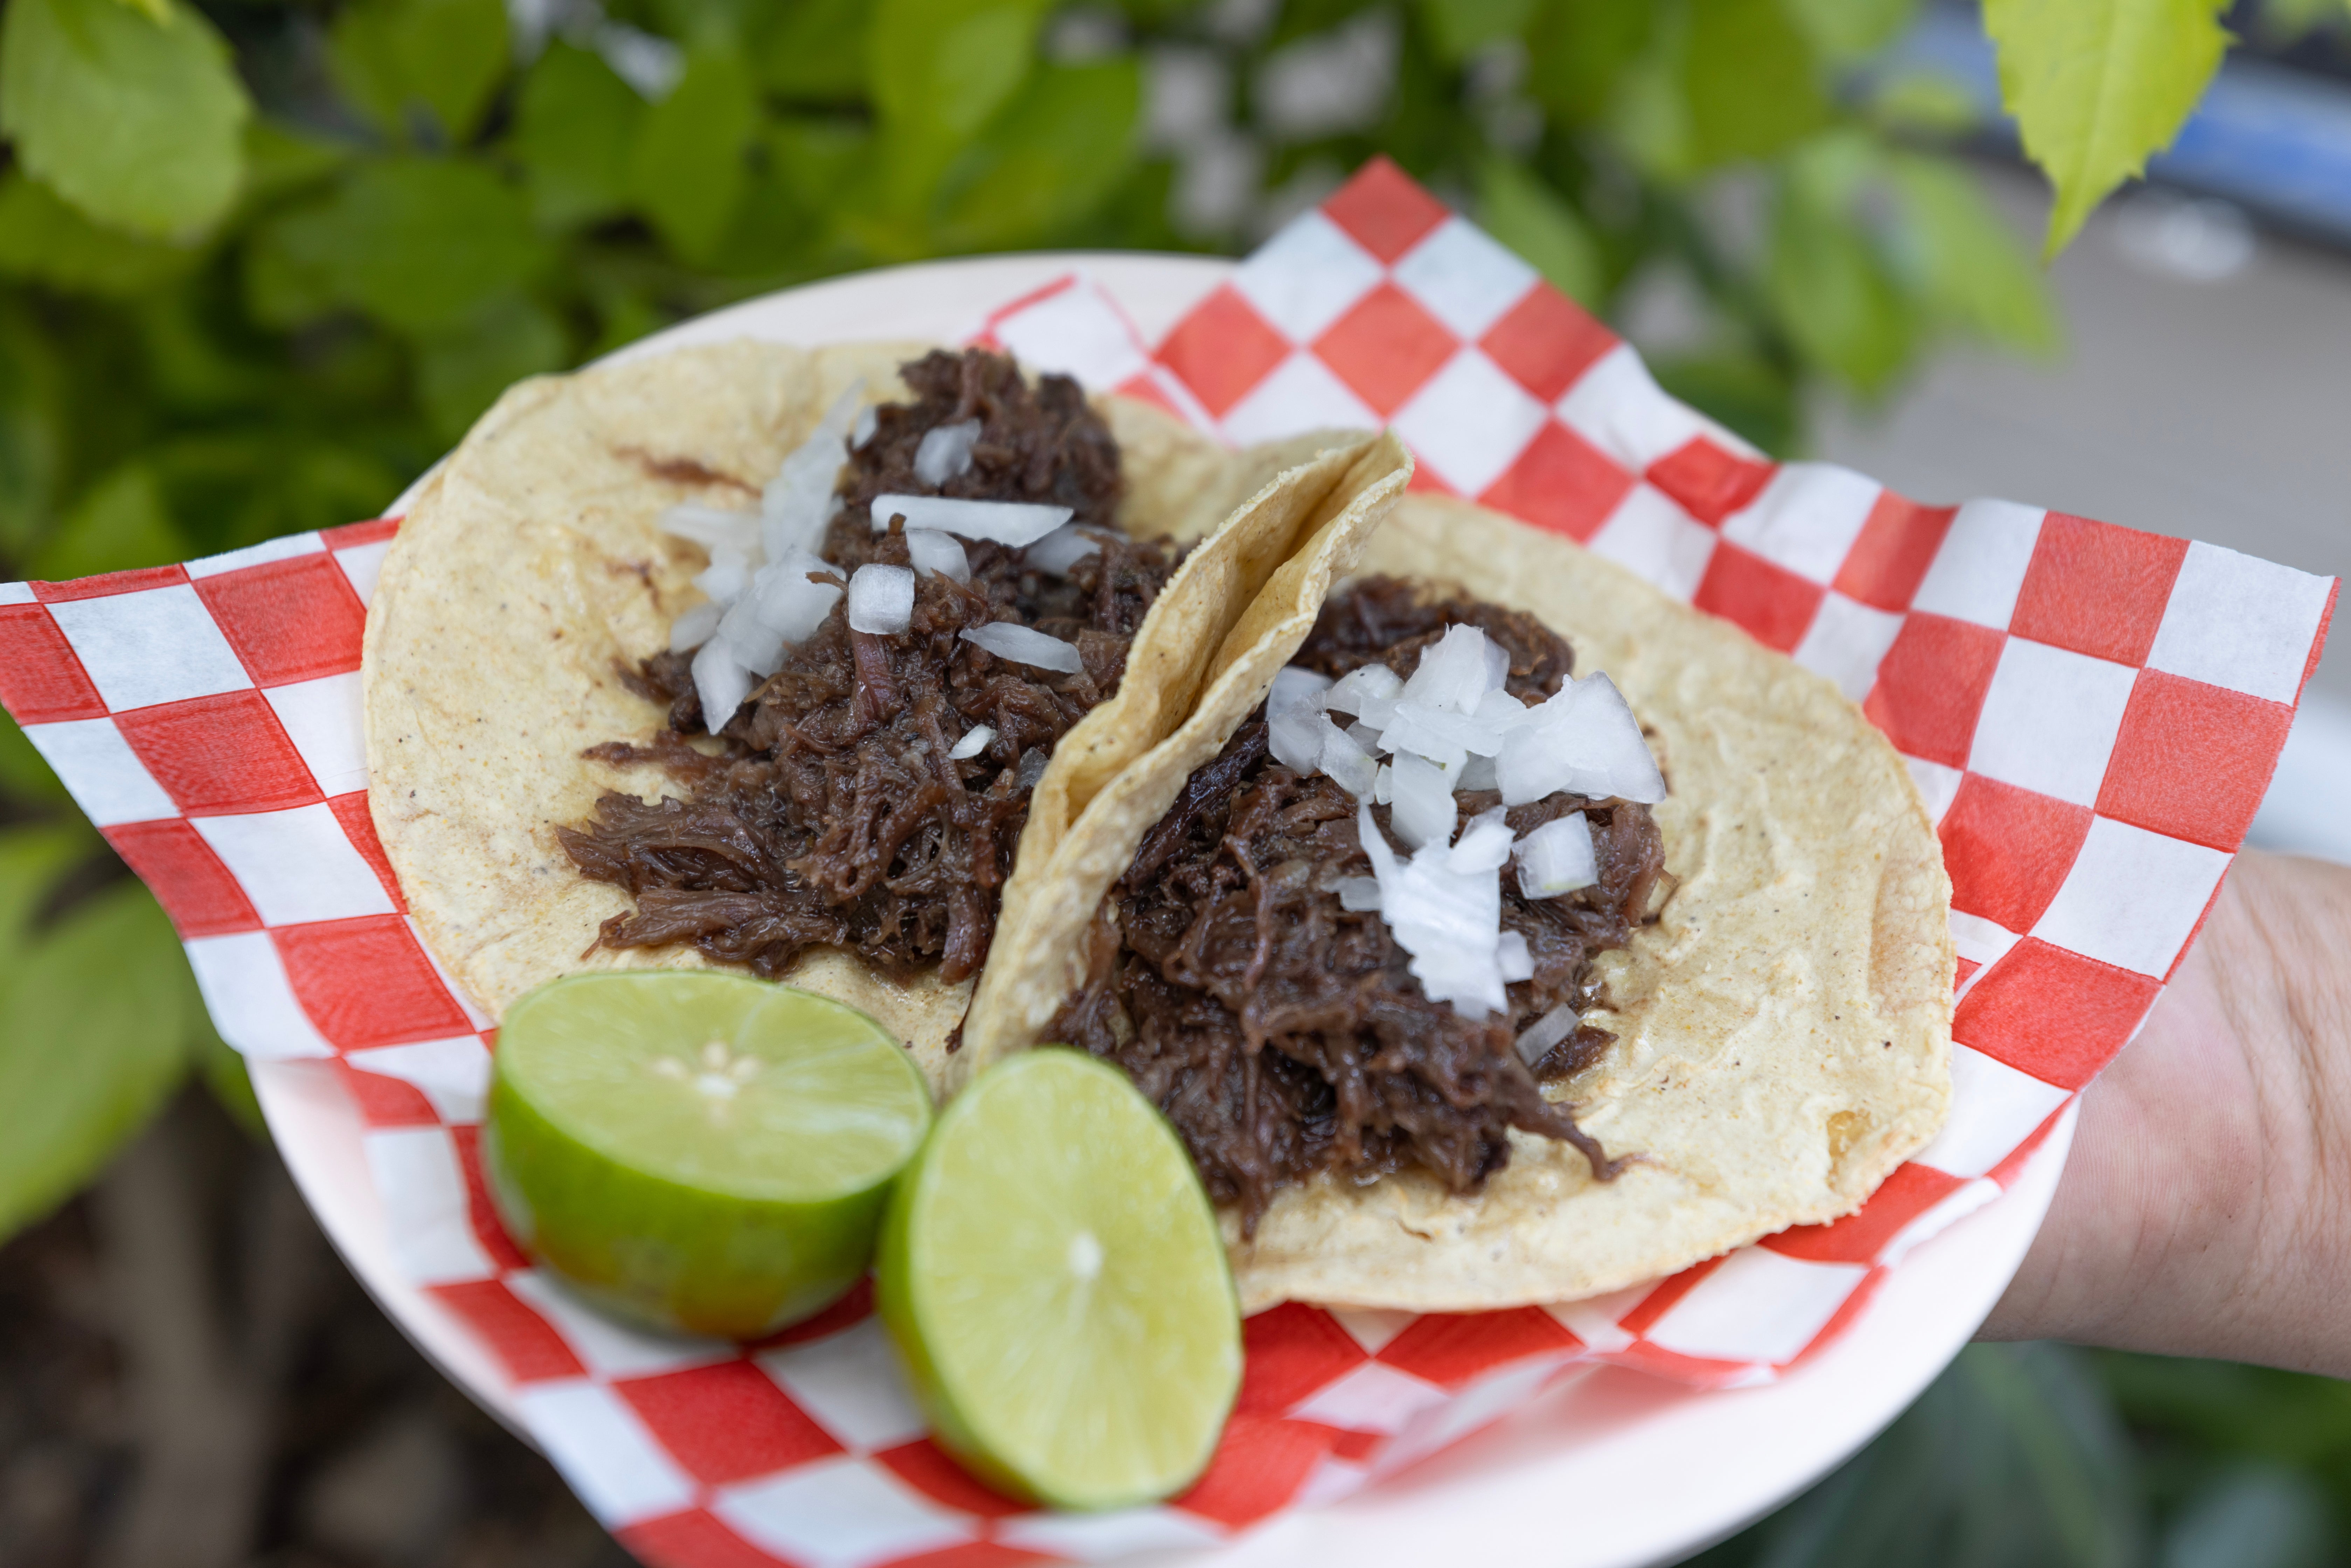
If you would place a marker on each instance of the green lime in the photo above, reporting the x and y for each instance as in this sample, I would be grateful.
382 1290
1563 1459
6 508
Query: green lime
1051 1274
696 1150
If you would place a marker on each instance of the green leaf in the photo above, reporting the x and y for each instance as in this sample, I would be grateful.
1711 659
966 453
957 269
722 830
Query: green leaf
417 243
282 159
1518 207
937 71
224 1075
25 774
1972 269
1852 29
461 371
32 429
2097 85
1050 158
815 50
687 169
1924 102
1461 28
137 122
94 1024
46 241
1750 79
2254 1516
575 123
1831 289
119 523
445 58
31 861
1577 50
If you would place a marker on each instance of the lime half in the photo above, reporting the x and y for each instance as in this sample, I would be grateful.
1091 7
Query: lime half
1051 1274
695 1150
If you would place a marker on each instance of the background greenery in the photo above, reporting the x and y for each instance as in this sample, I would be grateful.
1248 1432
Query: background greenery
262 260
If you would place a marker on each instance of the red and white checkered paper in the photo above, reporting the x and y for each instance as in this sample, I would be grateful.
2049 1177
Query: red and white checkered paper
2093 714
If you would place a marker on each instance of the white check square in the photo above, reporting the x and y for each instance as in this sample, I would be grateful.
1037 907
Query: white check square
1463 278
262 554
1978 571
604 1451
322 719
1470 422
838 1514
2049 720
1619 407
1995 1107
2132 897
1079 333
454 1074
1757 1306
363 564
1657 540
1806 518
1307 276
850 1383
606 1346
426 1206
1302 394
1846 642
296 866
1939 786
157 645
251 1002
2238 621
97 767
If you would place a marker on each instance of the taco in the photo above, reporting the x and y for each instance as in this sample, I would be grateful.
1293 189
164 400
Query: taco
1503 931
772 658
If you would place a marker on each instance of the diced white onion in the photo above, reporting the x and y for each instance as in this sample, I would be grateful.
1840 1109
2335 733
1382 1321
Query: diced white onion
693 629
1384 786
749 640
881 599
1424 810
1536 1040
1293 714
1030 768
1062 549
1497 664
788 603
975 741
1502 711
863 430
1025 645
944 452
1355 769
1013 523
1483 845
1557 858
722 684
710 528
1517 959
1359 894
1451 673
1478 773
932 550
1583 740
1369 693
1450 923
726 576
799 501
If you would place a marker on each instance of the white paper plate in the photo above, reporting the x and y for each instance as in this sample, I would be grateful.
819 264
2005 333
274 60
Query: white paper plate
1612 1469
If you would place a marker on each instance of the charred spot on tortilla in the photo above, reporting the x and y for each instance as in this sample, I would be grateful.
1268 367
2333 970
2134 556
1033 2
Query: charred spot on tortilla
685 470
869 790
1275 1016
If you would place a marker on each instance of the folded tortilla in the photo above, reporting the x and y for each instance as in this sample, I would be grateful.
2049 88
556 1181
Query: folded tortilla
532 567
1783 1029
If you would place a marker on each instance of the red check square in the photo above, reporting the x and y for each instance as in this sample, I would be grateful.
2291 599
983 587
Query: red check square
2053 1014
1451 1348
41 678
1931 685
2097 589
1896 546
525 1343
1561 482
384 1100
1222 351
693 1538
291 620
1258 1466
1860 1237
359 826
2231 739
725 1423
2008 850
1384 210
109 584
1707 481
220 754
924 1466
1386 348
186 878
1290 1353
1773 605
1546 340
367 982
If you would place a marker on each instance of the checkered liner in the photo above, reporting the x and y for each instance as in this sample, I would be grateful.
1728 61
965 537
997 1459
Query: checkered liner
2092 715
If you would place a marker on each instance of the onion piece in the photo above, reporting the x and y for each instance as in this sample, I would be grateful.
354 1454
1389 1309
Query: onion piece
721 684
786 602
1424 810
944 452
1025 645
975 741
934 551
1557 858
1478 773
1030 768
1483 845
1354 770
863 430
1016 524
710 528
726 576
1293 714
749 640
1497 665
693 629
799 501
1452 672
1517 960
1536 1040
1369 693
1450 924
1359 894
881 599
1062 549
1584 741
1384 786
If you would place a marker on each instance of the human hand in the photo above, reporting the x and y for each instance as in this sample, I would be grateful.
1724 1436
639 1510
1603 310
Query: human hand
2206 1207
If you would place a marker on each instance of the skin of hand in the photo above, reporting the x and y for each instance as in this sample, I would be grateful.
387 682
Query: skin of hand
2206 1206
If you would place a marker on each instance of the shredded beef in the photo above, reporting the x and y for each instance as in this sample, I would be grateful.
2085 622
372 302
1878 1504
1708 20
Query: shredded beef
831 813
1284 1035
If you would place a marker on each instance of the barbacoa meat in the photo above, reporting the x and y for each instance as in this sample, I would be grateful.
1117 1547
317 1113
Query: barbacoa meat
833 814
1284 1035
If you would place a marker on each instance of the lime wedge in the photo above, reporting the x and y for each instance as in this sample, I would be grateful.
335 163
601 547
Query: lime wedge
698 1151
1051 1274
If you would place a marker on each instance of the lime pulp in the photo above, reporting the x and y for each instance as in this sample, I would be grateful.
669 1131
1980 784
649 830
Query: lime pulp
696 1150
1051 1271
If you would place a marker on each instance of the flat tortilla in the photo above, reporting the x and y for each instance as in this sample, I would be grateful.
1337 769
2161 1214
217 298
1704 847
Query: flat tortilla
533 563
1783 1029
